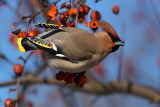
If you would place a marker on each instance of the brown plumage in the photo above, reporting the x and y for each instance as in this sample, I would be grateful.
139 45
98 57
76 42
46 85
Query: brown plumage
79 50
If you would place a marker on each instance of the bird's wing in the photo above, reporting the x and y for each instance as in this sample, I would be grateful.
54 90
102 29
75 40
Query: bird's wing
76 44
49 33
48 46
73 43
45 25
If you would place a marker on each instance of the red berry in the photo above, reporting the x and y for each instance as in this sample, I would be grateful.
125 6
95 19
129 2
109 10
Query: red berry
95 15
69 78
23 34
93 24
72 12
115 9
18 69
81 19
63 5
81 80
68 6
59 24
86 24
63 17
60 75
53 12
32 33
13 40
71 24
29 104
84 9
13 27
8 102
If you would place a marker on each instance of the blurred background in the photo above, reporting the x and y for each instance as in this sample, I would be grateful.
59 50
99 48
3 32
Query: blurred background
137 23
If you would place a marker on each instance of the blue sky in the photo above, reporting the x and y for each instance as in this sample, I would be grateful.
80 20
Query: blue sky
143 53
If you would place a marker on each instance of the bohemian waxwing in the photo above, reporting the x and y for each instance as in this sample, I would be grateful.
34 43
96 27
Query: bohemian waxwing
72 49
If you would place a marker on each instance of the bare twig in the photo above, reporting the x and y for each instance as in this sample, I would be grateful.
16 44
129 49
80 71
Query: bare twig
2 56
40 69
44 12
84 5
13 9
76 12
96 88
155 11
121 53
17 89
32 17
18 79
9 61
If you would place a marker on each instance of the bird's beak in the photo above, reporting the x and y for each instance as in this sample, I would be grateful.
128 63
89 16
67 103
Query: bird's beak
120 43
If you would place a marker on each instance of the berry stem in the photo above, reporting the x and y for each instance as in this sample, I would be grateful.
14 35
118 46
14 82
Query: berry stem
121 53
32 17
19 77
76 12
17 88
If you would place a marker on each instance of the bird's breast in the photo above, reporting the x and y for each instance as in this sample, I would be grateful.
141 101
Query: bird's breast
80 66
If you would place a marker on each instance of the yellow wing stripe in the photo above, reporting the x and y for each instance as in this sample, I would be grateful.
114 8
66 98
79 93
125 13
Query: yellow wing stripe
39 43
21 48
52 24
43 45
45 25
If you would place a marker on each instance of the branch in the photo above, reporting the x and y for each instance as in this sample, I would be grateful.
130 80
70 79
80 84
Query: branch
19 77
32 17
84 5
76 12
17 89
121 53
155 11
97 88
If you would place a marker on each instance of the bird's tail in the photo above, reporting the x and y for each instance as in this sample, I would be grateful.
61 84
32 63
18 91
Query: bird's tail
25 45
31 43
19 42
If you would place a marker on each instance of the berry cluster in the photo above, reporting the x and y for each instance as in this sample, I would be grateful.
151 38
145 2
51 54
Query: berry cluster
24 34
53 12
71 13
78 78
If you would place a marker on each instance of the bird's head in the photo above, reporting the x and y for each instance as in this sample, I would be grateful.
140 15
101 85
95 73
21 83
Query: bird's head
113 36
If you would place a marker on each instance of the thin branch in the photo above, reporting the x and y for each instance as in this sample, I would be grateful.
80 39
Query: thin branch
32 17
96 88
121 53
84 5
9 61
14 10
19 77
25 61
42 4
40 69
2 56
155 11
17 89
120 64
76 12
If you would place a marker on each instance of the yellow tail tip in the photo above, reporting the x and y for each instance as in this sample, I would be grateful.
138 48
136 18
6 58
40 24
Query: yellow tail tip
19 42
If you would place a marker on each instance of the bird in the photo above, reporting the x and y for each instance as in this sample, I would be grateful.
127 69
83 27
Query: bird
71 49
